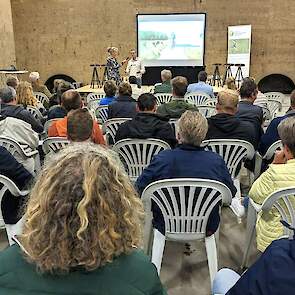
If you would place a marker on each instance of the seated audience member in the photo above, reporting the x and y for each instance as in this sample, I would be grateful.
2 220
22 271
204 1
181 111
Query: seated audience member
80 125
271 135
25 97
230 83
56 109
124 106
165 86
136 91
110 89
12 81
82 232
246 110
9 108
201 86
225 125
280 174
177 106
71 100
11 205
37 85
271 274
146 123
189 159
22 133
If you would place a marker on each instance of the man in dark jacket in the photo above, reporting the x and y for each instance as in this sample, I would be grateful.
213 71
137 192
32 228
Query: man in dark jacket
147 124
246 110
187 160
9 108
16 172
225 125
175 108
124 106
271 135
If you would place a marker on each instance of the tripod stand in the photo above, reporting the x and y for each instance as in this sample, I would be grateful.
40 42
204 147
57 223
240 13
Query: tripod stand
239 75
95 77
228 72
216 75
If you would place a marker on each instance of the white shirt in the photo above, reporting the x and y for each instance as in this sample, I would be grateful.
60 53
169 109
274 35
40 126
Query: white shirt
135 68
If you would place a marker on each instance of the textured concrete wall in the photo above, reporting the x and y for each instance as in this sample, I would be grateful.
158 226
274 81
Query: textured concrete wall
65 36
7 56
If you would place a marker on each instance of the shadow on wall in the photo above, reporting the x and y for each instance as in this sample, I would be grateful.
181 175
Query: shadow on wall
49 82
277 83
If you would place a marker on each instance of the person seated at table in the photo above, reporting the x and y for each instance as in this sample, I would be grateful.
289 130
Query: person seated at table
124 106
12 81
146 123
82 233
110 89
230 83
165 86
71 100
201 86
271 134
190 160
177 106
37 85
79 125
280 174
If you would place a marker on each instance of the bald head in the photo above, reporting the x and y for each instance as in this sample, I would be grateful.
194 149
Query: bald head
227 102
71 100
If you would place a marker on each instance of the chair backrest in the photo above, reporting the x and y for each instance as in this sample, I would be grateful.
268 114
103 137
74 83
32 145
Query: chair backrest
274 107
284 201
233 151
199 98
272 149
13 147
54 144
102 113
42 97
93 104
48 124
111 126
35 112
163 98
266 114
136 154
94 96
174 124
275 95
207 110
186 204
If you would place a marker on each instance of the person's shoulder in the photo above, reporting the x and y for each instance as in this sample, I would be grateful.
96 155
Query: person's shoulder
10 260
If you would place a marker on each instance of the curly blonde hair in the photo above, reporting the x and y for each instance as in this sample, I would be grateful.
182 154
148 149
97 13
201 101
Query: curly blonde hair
83 211
25 94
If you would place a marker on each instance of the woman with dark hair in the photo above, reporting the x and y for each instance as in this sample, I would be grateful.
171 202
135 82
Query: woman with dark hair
82 232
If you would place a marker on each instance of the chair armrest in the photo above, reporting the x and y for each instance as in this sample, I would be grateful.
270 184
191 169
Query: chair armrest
257 207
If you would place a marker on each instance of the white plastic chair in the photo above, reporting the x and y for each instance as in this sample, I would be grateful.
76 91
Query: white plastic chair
186 204
174 124
274 107
21 154
207 110
111 126
42 97
136 154
199 98
280 200
163 98
35 112
54 144
11 229
94 96
268 155
275 95
102 113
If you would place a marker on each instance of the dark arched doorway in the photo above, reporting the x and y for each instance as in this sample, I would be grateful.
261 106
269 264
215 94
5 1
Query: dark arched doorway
276 82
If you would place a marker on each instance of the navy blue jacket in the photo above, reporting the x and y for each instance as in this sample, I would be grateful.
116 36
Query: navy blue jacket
186 161
271 135
272 274
56 112
122 107
15 171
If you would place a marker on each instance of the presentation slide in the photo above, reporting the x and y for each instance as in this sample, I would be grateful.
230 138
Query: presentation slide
171 40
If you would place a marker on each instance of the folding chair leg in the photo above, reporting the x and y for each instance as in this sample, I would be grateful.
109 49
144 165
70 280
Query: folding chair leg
212 257
158 249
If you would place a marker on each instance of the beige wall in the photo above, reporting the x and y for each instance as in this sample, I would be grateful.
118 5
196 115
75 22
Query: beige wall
7 55
65 36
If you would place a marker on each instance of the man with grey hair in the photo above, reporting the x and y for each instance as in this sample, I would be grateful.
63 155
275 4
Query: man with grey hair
9 108
165 86
37 85
189 160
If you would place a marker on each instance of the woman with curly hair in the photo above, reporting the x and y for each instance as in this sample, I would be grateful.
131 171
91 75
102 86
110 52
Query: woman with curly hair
82 232
25 96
